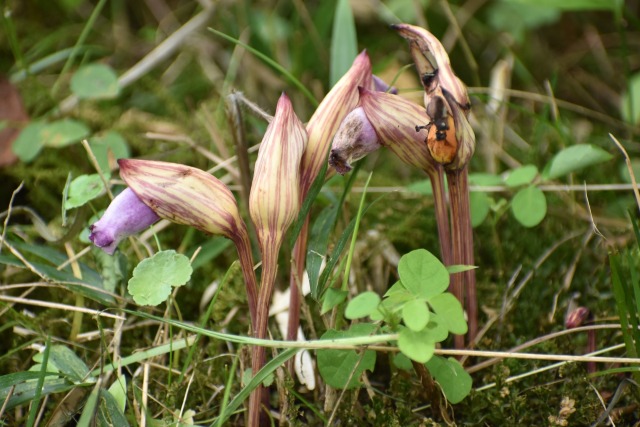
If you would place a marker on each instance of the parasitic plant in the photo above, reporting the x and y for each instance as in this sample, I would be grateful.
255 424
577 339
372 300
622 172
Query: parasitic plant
274 203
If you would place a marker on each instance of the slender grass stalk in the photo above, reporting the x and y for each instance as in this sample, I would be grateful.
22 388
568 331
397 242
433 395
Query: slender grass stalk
83 36
282 70
33 410
227 391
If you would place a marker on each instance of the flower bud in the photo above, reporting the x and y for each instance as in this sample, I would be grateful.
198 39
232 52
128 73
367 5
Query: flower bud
126 215
577 317
354 139
184 195
275 192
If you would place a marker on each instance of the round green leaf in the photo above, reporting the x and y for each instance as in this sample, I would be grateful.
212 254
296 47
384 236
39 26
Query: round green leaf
95 81
450 313
362 305
402 362
453 379
423 274
521 176
83 189
29 143
416 345
63 132
480 205
153 277
574 158
336 366
332 297
415 315
529 206
436 329
111 144
485 179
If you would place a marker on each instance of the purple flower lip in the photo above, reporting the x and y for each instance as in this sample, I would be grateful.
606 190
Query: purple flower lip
126 215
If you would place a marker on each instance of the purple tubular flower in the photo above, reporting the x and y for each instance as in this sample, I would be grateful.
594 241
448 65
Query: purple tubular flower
126 215
380 85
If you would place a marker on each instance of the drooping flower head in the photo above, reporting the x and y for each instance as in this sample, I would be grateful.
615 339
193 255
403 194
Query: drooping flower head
354 139
184 195
450 137
324 123
126 215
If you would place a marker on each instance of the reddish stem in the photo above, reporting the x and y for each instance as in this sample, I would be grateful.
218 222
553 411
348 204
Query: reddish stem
457 233
469 275
295 281
243 245
442 217
463 284
269 248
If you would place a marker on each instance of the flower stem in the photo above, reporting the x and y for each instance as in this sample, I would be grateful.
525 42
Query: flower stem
462 233
243 245
295 282
442 216
269 248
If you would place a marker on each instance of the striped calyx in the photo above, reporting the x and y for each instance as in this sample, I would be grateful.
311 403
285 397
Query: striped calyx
432 63
395 119
451 139
275 191
184 195
324 123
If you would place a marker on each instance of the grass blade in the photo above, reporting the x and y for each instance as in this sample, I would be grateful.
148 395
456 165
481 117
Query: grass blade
35 403
297 83
344 43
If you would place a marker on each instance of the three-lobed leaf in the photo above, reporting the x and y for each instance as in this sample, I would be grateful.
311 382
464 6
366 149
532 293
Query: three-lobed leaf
416 345
415 315
450 313
423 274
362 305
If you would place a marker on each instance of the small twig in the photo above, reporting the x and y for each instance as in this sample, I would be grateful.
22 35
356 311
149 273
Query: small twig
96 166
58 306
236 122
629 167
74 258
6 220
155 57
145 395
